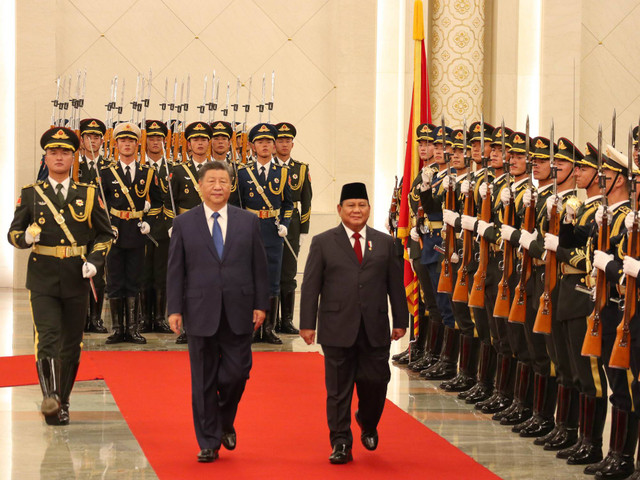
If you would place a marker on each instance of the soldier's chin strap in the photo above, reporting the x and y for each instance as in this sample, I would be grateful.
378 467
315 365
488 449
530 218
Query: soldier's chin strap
595 175
613 183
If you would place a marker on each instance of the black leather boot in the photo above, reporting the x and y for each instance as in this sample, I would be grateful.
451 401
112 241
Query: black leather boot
567 452
432 348
502 395
49 377
268 336
486 373
566 432
117 321
132 333
397 356
544 422
622 445
287 304
145 308
465 379
95 324
521 410
446 367
418 346
160 324
595 414
67 379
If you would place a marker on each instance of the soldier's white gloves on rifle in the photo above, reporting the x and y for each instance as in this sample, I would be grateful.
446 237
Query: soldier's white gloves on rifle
450 217
569 213
144 228
505 196
29 239
629 220
529 197
527 238
282 231
601 259
303 237
482 190
427 176
482 227
465 186
147 206
415 236
89 270
506 232
600 214
551 242
553 199
468 222
631 266
446 181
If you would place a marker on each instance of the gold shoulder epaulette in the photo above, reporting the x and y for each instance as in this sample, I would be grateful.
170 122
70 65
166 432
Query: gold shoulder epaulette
88 185
31 185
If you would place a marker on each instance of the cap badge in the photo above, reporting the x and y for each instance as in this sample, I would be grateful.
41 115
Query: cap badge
60 134
199 126
540 144
263 128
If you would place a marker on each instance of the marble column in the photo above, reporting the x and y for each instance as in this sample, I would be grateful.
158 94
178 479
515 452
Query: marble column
457 59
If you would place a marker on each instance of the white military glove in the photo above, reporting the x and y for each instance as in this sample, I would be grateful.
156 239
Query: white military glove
527 238
482 190
29 239
631 266
147 206
303 237
569 213
628 221
505 196
169 231
482 227
551 242
600 214
415 236
601 259
427 176
89 270
282 231
144 228
529 197
557 199
450 217
468 222
446 182
506 232
465 186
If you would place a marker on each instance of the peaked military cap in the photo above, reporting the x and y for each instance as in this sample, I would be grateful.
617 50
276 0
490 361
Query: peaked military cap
156 128
285 130
92 125
590 159
60 137
458 138
568 151
353 190
126 130
615 160
475 132
263 130
425 132
437 135
496 136
197 129
220 127
518 142
541 147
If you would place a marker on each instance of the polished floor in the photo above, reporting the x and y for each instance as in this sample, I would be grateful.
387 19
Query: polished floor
99 444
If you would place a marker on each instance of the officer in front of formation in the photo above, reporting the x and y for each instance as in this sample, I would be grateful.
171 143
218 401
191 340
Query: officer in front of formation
90 162
263 189
153 294
132 192
184 178
67 228
300 184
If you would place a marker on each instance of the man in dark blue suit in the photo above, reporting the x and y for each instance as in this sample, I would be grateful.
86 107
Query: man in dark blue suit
217 286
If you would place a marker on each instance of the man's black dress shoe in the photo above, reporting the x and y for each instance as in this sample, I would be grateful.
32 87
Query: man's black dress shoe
229 440
341 454
368 439
207 455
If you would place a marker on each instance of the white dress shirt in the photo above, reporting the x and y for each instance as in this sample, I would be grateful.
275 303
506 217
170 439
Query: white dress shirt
363 237
222 220
64 183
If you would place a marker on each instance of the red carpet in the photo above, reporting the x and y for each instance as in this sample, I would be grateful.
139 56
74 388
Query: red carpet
281 422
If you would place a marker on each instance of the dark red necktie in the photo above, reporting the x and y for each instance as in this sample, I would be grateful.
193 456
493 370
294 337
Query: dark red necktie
357 247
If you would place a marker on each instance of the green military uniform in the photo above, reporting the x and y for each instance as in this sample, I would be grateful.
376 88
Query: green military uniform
64 232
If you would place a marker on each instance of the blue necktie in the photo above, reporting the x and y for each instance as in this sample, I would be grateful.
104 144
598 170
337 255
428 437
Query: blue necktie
217 234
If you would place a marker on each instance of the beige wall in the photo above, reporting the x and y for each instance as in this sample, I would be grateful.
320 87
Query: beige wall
323 52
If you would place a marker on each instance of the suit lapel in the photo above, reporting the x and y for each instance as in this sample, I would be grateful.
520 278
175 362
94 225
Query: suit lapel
232 228
345 243
204 230
368 251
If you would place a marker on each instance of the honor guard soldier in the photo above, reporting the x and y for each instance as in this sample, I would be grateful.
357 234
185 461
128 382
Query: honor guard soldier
221 134
90 162
263 189
153 294
300 185
132 192
184 177
67 228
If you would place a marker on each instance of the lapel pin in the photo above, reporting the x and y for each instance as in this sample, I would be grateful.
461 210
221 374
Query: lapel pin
370 245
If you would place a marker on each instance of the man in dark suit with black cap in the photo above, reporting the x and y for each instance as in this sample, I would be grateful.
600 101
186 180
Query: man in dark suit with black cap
351 270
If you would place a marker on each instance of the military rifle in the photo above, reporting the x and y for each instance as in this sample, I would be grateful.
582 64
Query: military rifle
445 282
461 289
